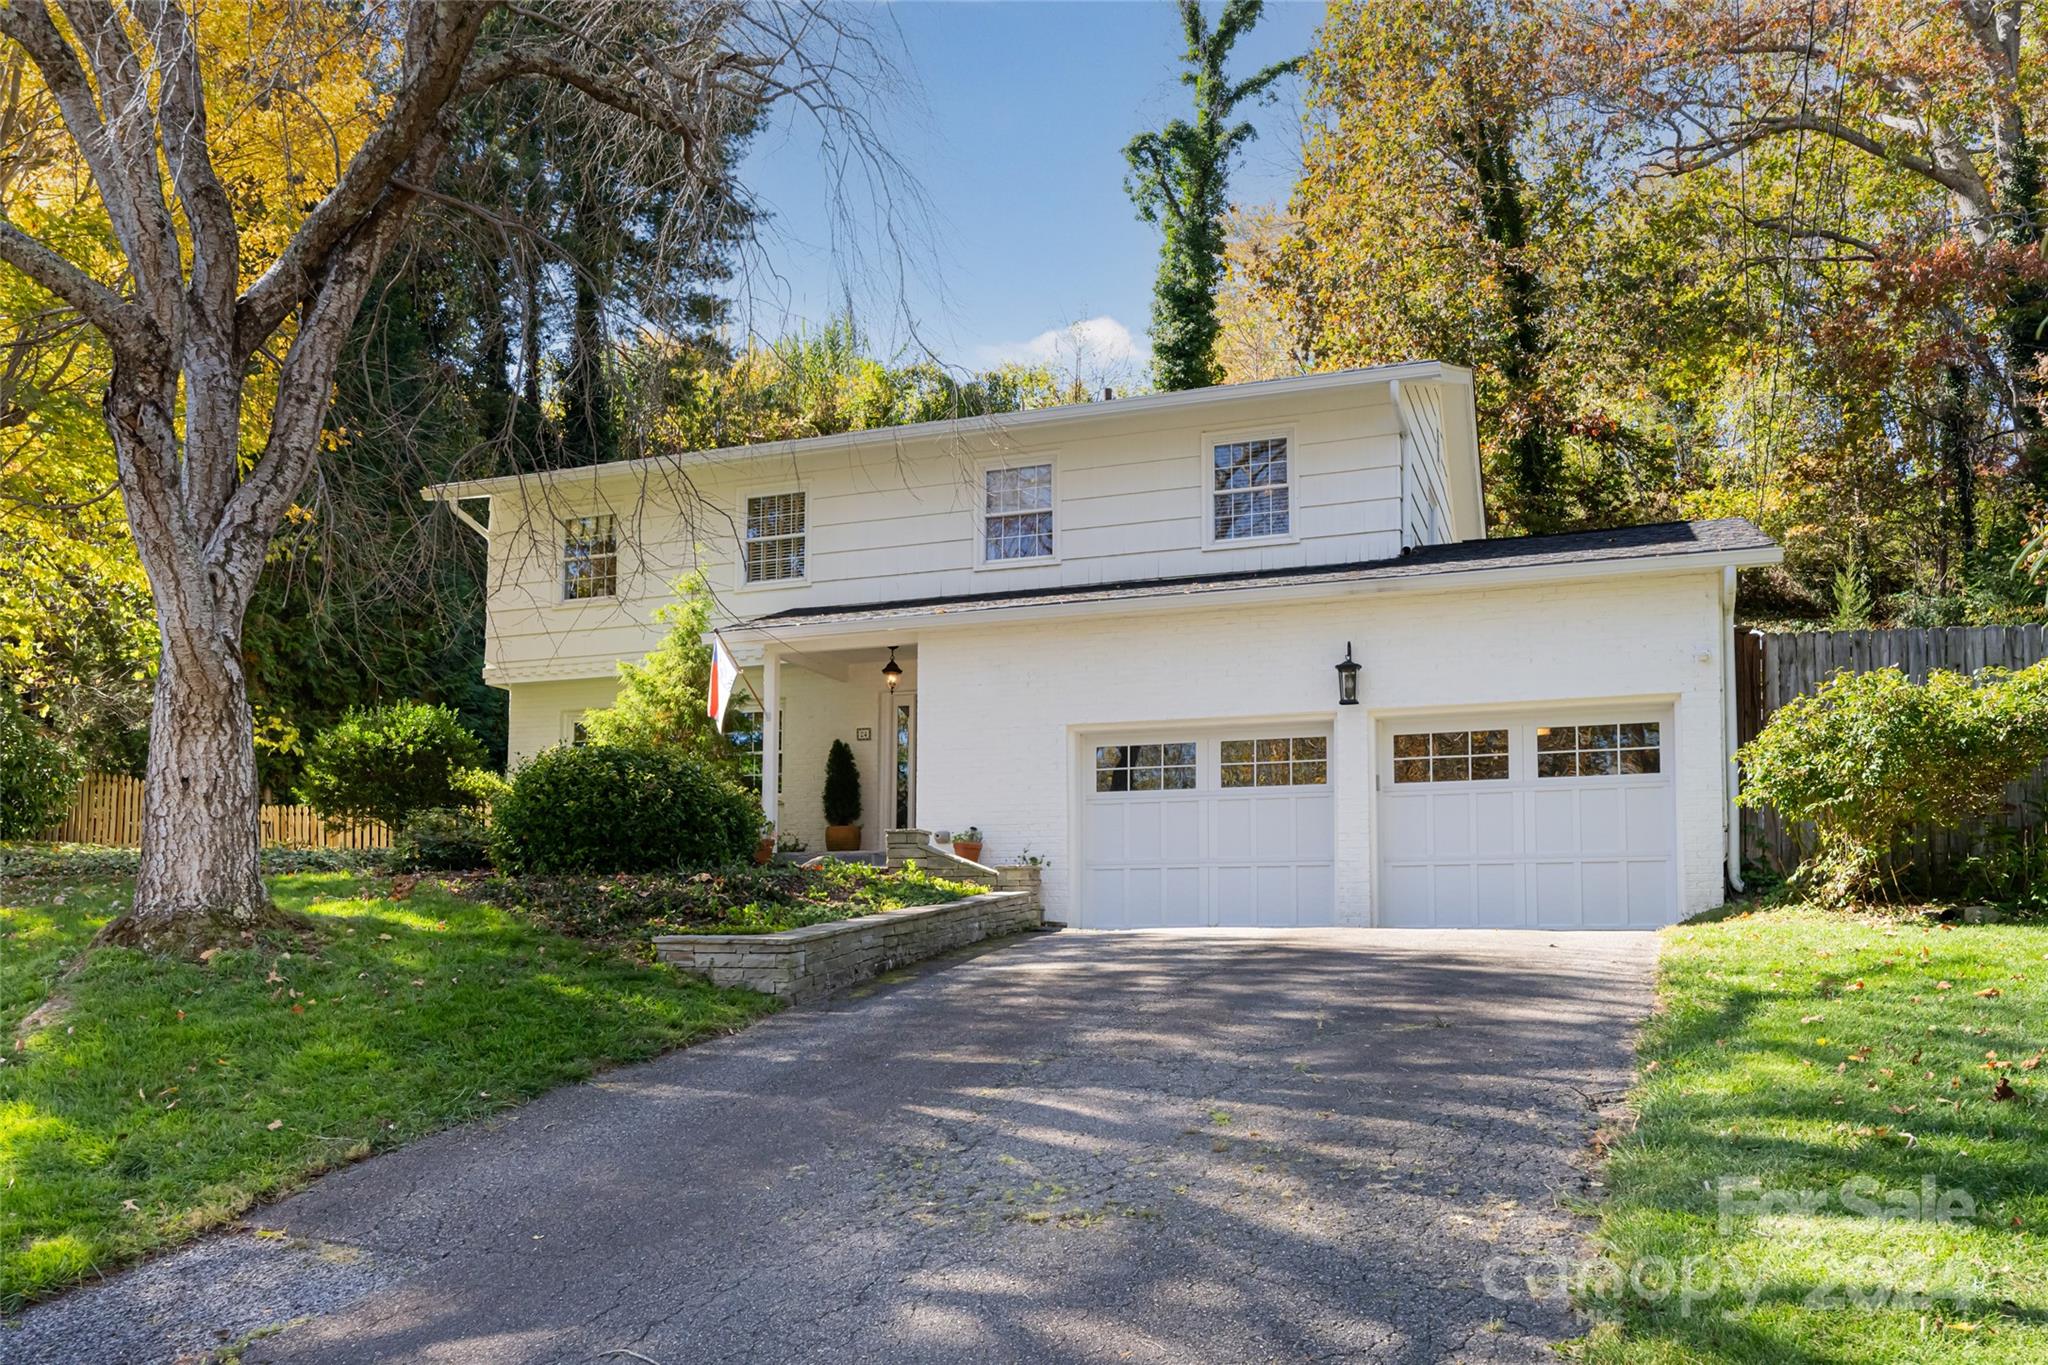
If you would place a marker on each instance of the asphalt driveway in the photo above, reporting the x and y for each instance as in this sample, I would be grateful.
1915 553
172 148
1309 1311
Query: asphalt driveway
1148 1147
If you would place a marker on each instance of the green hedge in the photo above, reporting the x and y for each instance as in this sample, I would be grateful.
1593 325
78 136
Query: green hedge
605 808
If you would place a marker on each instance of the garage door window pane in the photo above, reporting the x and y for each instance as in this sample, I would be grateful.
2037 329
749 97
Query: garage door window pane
1628 749
1455 756
1145 767
1298 761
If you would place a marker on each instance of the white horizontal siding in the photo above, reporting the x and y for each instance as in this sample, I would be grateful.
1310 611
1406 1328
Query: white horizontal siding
1132 498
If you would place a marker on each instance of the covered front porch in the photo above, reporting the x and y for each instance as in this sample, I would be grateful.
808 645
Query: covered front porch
792 702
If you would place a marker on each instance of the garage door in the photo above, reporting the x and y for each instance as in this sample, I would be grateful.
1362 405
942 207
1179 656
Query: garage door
1559 820
1195 828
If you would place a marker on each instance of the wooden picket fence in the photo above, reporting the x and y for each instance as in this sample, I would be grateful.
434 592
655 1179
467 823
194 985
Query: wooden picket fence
1771 669
107 809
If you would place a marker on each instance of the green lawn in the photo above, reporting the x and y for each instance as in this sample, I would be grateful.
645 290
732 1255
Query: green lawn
1803 1052
168 1097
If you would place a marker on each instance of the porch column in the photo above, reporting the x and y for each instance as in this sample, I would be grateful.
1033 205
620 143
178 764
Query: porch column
771 731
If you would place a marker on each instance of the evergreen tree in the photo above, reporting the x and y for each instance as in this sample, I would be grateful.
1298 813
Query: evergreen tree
1180 179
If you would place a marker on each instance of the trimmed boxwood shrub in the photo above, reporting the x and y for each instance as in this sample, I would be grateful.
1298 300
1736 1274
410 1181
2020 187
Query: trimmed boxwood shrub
609 808
385 762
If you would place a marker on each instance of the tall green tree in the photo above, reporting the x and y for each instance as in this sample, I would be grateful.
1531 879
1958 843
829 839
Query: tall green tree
1180 178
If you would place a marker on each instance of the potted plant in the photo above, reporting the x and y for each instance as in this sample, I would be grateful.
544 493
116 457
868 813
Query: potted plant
842 799
764 847
967 844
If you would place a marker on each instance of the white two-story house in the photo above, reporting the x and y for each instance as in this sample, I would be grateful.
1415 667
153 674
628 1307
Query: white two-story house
1110 635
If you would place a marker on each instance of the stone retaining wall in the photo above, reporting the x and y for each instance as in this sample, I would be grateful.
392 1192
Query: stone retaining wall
801 964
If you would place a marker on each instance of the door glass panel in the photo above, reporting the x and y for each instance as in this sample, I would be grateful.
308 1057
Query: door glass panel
902 765
1454 756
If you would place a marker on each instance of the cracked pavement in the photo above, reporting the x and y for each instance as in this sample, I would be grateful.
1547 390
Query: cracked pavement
1305 1145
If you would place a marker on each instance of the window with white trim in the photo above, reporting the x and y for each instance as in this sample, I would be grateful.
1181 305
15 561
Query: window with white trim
1302 761
590 558
1016 514
1626 749
1249 492
744 731
1145 767
1451 756
775 537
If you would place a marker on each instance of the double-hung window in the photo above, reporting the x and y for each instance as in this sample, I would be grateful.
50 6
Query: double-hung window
1249 489
590 558
1016 514
774 547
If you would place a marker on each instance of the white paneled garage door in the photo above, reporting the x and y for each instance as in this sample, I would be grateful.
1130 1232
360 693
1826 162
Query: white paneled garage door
1207 827
1562 819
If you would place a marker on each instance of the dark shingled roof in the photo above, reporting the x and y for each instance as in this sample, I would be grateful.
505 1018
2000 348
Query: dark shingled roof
1661 542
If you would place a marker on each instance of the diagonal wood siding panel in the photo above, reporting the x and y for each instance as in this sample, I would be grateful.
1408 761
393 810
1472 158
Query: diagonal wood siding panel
1771 669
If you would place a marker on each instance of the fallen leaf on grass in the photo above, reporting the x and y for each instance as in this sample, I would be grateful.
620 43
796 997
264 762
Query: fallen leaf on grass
2003 1090
276 1124
1989 993
1943 986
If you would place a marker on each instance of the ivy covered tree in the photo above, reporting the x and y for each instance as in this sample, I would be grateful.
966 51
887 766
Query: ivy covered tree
1180 178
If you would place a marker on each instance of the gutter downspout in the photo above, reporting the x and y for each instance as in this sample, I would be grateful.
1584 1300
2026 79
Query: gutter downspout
1731 730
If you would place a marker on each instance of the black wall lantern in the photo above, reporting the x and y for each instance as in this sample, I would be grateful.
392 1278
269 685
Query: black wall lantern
1347 678
892 672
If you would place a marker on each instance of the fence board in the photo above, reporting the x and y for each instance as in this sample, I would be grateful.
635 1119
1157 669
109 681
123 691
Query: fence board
107 809
1789 665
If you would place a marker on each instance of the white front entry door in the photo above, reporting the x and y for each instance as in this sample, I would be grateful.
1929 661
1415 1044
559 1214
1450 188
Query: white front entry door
1207 826
1561 819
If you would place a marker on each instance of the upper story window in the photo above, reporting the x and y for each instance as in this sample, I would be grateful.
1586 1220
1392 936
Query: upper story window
1249 494
775 537
590 558
1016 514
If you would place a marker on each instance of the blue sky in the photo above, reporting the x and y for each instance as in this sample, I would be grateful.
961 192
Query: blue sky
1012 126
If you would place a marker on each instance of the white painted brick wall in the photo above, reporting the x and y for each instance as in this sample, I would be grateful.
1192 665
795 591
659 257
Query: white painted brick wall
1000 706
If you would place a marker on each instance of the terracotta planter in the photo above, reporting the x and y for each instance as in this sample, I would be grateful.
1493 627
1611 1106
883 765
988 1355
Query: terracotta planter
842 838
764 852
971 852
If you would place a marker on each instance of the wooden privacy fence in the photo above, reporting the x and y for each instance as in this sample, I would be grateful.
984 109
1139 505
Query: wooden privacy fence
1770 670
107 809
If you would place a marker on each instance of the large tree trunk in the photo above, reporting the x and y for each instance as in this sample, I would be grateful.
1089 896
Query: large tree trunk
199 882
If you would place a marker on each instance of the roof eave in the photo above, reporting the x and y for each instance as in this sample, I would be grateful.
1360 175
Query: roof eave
996 424
1447 580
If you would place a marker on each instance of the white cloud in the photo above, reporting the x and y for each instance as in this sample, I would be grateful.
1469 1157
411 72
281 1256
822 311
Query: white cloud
1090 346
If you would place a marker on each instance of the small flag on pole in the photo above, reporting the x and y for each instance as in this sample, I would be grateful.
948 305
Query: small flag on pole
724 673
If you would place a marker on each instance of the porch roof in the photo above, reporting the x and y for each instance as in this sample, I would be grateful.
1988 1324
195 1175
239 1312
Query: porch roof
1726 541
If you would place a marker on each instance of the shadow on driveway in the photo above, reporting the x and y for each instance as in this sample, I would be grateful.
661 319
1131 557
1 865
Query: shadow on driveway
1152 1147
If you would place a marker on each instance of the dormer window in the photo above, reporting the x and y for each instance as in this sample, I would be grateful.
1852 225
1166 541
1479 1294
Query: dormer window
1249 489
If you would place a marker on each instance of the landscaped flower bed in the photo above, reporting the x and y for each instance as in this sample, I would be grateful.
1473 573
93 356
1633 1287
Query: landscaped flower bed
736 900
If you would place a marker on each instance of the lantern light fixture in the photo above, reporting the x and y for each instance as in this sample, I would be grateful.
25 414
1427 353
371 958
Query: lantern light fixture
892 672
1347 678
